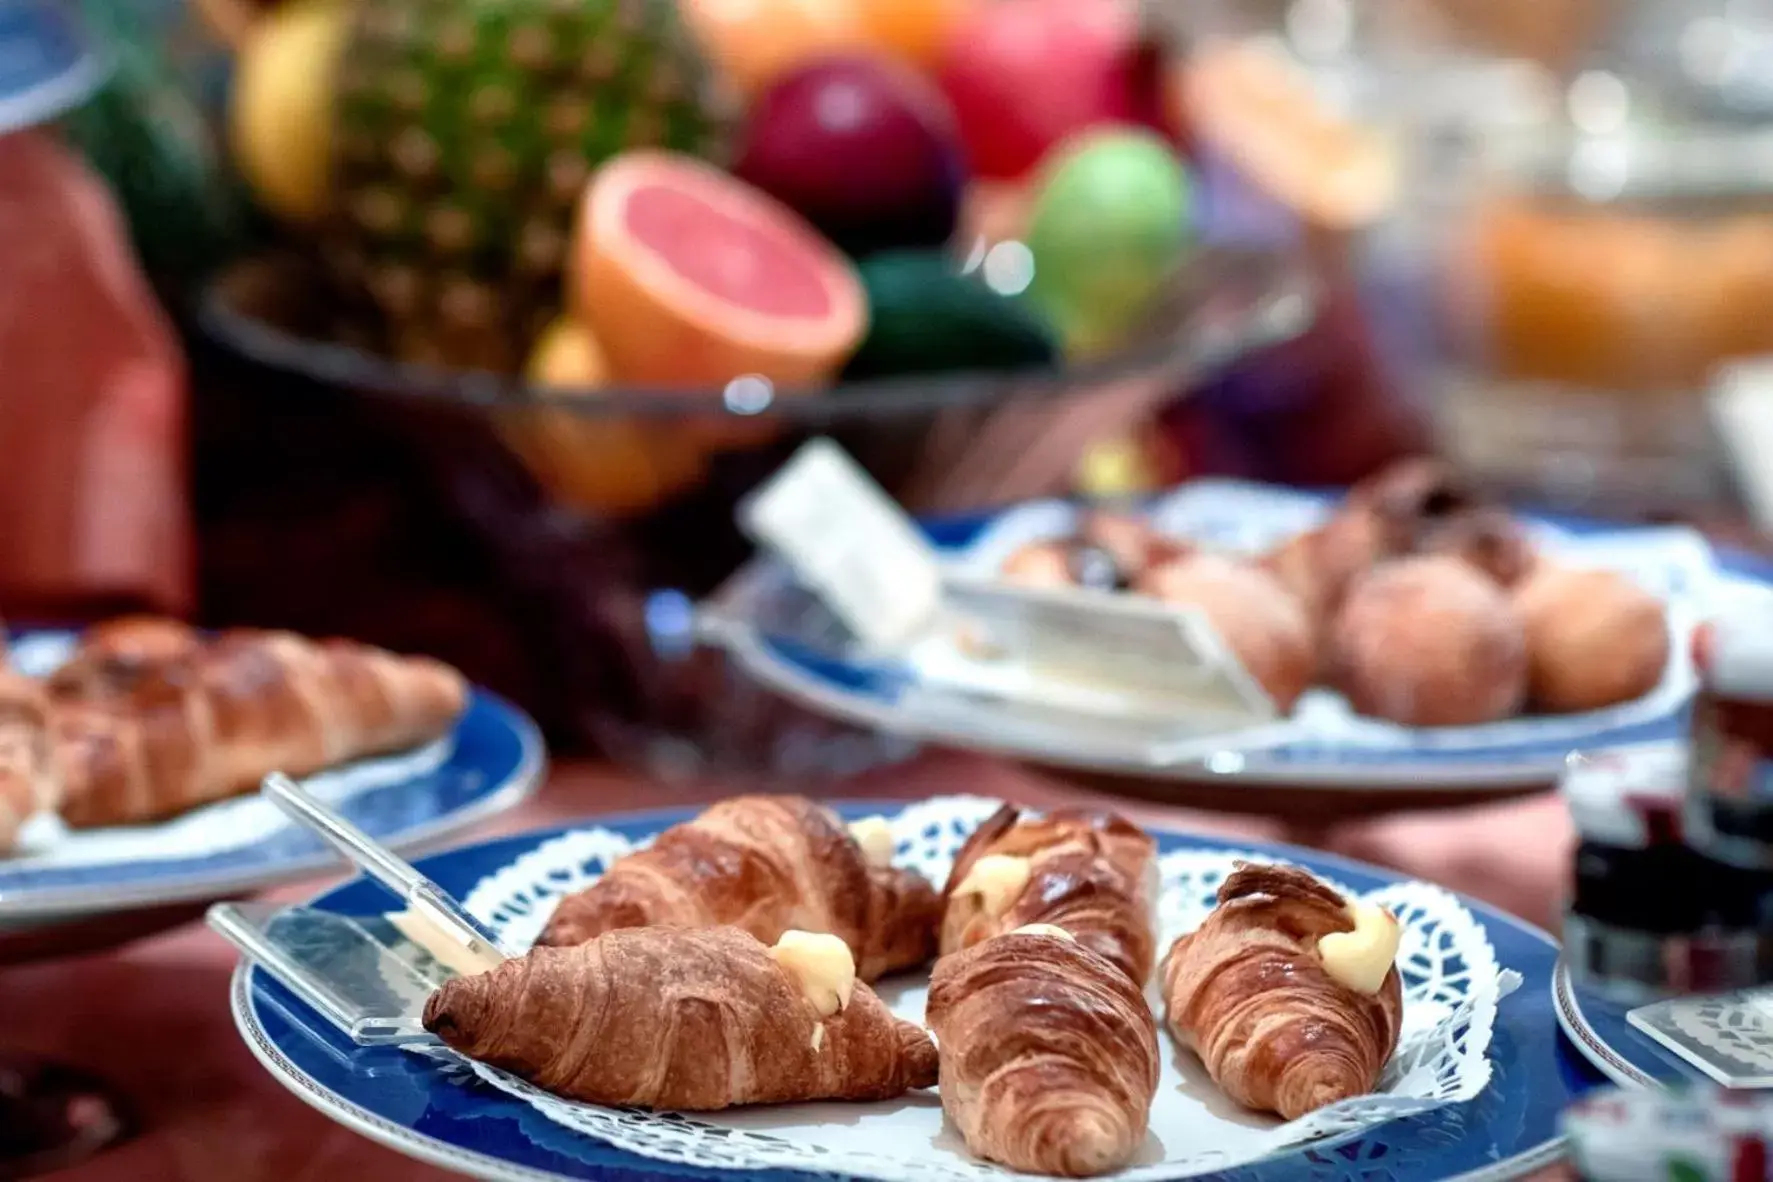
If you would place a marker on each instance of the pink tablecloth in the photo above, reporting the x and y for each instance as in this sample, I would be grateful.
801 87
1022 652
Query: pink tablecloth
153 1017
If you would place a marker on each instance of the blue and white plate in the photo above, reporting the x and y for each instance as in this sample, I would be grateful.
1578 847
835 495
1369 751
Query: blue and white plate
47 63
491 762
1597 1026
439 1111
781 636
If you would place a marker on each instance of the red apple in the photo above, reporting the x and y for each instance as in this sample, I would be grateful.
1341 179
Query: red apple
866 150
1024 75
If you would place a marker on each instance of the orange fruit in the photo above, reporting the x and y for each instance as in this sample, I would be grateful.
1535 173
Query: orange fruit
599 462
1257 110
566 357
916 30
755 41
691 278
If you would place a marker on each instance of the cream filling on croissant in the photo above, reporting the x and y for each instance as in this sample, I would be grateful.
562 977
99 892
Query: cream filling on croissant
822 965
1044 929
1361 959
875 836
998 880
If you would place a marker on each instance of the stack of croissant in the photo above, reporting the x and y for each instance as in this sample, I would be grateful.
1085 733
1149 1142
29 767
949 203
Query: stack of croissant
729 963
150 718
1418 601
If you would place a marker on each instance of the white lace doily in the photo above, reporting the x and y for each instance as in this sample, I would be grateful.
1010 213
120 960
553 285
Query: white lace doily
1452 986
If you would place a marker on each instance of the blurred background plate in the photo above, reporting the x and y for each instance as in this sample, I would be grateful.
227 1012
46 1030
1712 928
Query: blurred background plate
1596 1025
491 763
47 64
778 633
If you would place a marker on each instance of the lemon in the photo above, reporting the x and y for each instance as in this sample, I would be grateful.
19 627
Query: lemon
280 117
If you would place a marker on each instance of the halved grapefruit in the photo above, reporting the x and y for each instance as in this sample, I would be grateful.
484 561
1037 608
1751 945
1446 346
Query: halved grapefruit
690 277
1260 111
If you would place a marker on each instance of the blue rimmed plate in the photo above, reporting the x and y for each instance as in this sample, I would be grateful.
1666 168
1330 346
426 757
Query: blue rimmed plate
1597 1026
47 64
491 762
779 635
440 1113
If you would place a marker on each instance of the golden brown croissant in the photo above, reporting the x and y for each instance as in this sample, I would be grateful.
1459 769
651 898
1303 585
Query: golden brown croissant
1251 994
112 654
766 864
138 739
1049 1056
1093 875
27 780
678 1018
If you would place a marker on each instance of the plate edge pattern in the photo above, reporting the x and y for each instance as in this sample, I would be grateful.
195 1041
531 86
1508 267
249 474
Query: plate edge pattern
379 1129
1590 1045
73 903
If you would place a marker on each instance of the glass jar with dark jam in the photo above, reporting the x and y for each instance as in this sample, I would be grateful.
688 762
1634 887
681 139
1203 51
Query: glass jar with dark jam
1650 915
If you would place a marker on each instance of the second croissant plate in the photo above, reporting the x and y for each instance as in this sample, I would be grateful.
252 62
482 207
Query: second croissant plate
1474 1092
780 635
489 763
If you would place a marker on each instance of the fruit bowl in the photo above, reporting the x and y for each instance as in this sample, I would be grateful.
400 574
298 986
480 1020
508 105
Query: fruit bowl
339 491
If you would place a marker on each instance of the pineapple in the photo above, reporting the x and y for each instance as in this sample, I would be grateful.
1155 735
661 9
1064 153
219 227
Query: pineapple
461 135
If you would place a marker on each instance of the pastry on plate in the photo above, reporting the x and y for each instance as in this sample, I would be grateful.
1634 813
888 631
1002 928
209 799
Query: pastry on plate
110 655
1108 552
1411 508
766 864
1594 638
1489 540
1049 1053
1264 626
139 738
1429 641
1093 875
689 1019
28 782
1288 992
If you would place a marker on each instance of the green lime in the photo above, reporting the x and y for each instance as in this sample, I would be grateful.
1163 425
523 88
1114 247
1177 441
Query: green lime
1110 224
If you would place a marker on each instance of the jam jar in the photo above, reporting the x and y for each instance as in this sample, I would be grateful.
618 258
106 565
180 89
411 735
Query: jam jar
1650 915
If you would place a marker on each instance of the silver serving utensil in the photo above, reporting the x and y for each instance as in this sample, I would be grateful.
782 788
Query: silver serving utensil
368 975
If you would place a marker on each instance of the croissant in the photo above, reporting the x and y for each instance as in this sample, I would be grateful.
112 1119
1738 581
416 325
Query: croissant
138 739
679 1018
27 780
1049 1057
1093 875
1250 993
112 654
766 864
